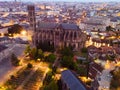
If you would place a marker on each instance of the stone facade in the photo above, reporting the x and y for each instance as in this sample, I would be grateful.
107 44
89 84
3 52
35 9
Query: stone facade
31 17
59 35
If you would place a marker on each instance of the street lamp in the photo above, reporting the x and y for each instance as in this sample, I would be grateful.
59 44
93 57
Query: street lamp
23 32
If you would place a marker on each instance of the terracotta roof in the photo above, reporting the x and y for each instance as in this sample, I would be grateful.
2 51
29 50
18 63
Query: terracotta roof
97 66
94 68
117 50
92 47
92 73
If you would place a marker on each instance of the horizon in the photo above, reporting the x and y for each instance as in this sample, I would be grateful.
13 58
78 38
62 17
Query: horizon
64 0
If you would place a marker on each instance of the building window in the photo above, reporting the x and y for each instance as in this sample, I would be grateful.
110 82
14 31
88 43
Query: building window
31 19
31 13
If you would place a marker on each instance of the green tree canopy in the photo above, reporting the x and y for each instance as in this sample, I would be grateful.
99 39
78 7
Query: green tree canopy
67 61
28 49
45 46
52 86
51 58
34 53
84 50
40 54
67 51
48 78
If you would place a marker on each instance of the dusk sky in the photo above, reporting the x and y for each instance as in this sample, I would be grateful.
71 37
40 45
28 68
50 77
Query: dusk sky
69 0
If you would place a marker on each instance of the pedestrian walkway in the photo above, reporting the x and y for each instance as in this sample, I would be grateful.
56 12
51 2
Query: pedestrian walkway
105 80
106 77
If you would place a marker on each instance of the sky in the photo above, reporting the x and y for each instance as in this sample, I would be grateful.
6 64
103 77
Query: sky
70 0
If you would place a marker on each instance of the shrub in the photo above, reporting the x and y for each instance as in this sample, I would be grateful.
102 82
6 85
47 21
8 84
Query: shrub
14 60
84 50
29 65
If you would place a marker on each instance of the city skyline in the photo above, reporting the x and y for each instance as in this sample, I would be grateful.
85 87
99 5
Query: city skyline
67 0
59 44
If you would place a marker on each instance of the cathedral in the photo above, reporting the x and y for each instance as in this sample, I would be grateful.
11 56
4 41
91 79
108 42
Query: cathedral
56 34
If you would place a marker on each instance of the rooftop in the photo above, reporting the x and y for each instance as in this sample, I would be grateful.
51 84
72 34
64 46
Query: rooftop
64 26
71 81
47 25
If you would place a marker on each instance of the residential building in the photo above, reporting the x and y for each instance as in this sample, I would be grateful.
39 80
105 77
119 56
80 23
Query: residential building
71 82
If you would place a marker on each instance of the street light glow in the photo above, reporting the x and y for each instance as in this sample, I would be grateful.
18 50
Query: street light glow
23 32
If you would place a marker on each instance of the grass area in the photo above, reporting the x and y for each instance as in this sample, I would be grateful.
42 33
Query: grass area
16 80
33 82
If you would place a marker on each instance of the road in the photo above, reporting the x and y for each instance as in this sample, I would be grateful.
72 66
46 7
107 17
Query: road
105 80
106 77
6 69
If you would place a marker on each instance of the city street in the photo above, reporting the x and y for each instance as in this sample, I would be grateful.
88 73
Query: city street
105 78
6 69
59 44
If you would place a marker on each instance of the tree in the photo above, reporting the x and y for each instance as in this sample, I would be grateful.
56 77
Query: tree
12 77
45 46
82 71
6 34
98 30
67 61
15 29
84 50
28 49
40 54
51 58
66 51
48 78
67 58
14 60
52 86
29 65
109 28
34 53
